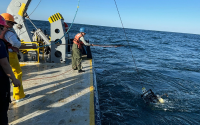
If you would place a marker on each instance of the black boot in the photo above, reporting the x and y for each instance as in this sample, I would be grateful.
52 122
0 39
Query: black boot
80 71
74 68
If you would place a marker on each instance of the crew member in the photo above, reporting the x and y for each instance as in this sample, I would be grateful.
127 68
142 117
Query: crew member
77 48
5 74
14 45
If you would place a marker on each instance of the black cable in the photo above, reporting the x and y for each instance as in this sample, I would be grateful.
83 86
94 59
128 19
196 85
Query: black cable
129 44
35 8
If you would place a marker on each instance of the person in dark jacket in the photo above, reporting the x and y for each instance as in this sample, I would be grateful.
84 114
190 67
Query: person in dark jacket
5 74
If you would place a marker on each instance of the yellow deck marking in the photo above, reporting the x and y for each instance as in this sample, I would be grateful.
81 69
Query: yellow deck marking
92 114
21 65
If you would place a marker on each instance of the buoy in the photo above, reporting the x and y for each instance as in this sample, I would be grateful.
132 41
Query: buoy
161 100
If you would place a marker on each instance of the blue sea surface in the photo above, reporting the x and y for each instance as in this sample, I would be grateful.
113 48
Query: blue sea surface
167 62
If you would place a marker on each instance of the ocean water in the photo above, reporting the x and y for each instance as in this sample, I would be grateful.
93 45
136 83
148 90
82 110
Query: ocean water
167 62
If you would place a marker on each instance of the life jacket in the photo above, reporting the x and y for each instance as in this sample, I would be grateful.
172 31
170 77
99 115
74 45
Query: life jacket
2 36
77 40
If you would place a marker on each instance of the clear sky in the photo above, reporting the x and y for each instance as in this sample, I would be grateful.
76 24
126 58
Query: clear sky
161 15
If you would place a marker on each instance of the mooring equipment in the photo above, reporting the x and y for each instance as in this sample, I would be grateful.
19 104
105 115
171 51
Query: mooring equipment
147 96
150 97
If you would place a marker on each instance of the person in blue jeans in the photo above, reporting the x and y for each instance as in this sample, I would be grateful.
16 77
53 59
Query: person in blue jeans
5 74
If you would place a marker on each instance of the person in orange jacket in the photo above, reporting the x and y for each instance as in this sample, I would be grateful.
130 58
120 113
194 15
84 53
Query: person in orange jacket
14 45
77 48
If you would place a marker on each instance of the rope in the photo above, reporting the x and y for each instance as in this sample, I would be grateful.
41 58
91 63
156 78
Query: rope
129 45
68 28
55 75
109 45
48 77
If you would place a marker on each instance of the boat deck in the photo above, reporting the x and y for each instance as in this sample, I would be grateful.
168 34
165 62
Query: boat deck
59 96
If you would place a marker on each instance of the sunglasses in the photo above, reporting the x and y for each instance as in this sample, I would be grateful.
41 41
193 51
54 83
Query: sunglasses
1 27
12 23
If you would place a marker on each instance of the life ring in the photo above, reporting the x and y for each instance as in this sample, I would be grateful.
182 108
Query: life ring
66 26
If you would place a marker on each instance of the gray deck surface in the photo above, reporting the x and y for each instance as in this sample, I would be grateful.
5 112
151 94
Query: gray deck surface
59 96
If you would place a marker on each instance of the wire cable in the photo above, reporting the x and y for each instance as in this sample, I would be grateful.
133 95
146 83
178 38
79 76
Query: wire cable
128 44
35 8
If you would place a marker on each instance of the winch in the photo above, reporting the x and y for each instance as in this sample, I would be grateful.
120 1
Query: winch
51 46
